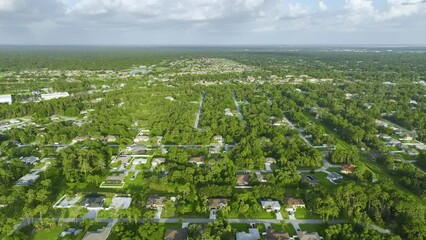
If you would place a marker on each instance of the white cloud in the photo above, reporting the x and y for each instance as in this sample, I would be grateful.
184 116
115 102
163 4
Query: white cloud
7 5
402 8
322 6
359 10
101 20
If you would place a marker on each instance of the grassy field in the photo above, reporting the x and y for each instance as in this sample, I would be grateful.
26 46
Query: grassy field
303 213
261 215
321 177
47 234
240 227
319 228
286 228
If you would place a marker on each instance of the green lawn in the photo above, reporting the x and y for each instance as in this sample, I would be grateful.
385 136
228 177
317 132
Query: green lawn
321 177
286 228
240 227
284 213
262 215
47 234
303 213
319 228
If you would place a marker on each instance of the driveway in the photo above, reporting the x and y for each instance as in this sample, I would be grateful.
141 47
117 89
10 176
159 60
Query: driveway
91 214
279 216
268 167
213 214
158 213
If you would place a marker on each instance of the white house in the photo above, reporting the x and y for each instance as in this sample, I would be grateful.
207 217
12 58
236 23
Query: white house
29 160
253 234
6 98
142 138
270 205
49 96
28 179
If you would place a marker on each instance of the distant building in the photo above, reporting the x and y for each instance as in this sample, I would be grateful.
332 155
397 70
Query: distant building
270 205
142 138
308 236
6 98
100 234
243 179
176 234
217 203
110 138
29 160
123 159
115 179
157 161
348 168
28 179
94 201
275 235
155 201
49 96
197 160
253 234
293 203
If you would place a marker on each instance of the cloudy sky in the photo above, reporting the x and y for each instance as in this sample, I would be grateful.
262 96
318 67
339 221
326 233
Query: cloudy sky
212 22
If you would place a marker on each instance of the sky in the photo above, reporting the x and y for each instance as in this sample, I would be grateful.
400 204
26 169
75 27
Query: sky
212 22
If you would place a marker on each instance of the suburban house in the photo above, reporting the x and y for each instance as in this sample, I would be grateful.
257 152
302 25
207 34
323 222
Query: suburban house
28 179
308 236
275 235
197 160
243 179
270 205
80 139
334 177
253 234
176 234
412 152
6 98
293 203
155 201
124 159
157 161
228 112
110 138
270 160
218 139
29 160
49 96
115 179
142 138
94 201
348 168
100 234
140 161
217 203
138 150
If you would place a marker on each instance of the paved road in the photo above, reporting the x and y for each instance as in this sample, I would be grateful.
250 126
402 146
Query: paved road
196 220
240 114
197 118
112 221
326 165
